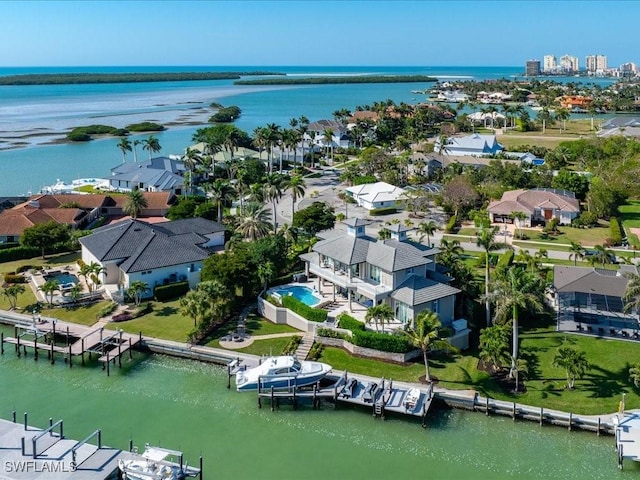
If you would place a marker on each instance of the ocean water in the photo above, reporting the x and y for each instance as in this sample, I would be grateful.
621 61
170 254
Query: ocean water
186 406
32 117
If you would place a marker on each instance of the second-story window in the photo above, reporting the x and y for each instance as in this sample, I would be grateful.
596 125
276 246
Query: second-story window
374 273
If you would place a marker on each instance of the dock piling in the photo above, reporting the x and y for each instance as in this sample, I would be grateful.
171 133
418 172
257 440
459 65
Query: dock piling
514 411
2 343
13 416
200 465
70 360
598 428
35 348
570 420
53 360
130 351
486 406
25 421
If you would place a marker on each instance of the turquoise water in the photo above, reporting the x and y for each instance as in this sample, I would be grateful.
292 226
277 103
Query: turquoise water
186 405
304 294
63 278
55 108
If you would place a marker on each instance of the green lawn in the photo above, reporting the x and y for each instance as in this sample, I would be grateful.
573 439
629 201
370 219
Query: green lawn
585 236
165 321
83 314
598 392
50 261
630 216
269 346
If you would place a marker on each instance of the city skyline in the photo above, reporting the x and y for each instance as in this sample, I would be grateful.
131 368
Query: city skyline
434 33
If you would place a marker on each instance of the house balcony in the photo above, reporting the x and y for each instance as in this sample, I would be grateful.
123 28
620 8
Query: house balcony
341 279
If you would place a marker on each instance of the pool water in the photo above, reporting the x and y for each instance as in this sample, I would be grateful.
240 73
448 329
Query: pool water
304 294
63 278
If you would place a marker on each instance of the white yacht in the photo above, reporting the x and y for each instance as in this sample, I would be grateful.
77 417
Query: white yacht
281 372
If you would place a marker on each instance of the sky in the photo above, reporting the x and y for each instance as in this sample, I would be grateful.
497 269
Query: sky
309 32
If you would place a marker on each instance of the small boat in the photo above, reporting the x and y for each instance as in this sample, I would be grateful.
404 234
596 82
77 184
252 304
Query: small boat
369 392
281 372
411 398
151 465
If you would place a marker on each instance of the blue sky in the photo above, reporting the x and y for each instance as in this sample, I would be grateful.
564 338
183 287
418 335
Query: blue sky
309 32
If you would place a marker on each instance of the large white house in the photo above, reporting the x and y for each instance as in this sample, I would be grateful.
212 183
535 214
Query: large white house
474 144
156 254
367 271
376 195
159 174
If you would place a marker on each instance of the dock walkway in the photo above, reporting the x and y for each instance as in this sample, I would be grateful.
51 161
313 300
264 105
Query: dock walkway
30 453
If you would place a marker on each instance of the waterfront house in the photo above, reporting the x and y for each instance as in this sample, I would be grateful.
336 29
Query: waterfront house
539 205
315 134
376 195
474 145
367 271
156 254
160 174
591 299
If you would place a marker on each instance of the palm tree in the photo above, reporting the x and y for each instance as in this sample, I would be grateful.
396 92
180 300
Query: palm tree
195 304
518 217
48 288
253 222
152 145
125 146
135 143
379 314
576 252
425 334
11 293
272 135
303 127
515 290
519 366
631 296
191 159
573 361
486 240
256 193
273 193
602 255
450 251
427 229
384 234
327 138
563 115
634 374
220 192
135 203
295 185
136 290
266 272
494 345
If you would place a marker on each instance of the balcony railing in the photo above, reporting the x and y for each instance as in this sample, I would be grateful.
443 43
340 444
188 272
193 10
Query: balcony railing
341 279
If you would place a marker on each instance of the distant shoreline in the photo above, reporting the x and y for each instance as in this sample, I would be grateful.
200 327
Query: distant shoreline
91 78
337 80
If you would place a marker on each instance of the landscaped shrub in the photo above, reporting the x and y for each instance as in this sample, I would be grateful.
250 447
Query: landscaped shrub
364 179
349 323
13 278
616 232
18 253
122 317
24 268
304 310
162 293
451 224
107 309
505 260
329 333
383 211
586 219
551 226
292 346
316 351
381 341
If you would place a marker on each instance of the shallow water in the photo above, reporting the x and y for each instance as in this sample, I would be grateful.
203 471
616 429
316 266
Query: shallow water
185 405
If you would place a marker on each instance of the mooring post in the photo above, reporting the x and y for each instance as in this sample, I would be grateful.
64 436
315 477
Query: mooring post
541 415
200 463
25 420
295 404
2 343
67 334
486 406
514 411
119 355
13 416
107 363
17 344
315 391
598 427
130 445
53 360
70 358
54 329
272 407
22 446
35 348
82 349
130 350
570 420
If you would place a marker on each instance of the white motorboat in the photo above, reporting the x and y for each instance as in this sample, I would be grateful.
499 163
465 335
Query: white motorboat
153 464
411 398
281 372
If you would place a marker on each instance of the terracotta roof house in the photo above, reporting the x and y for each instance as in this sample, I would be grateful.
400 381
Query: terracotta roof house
376 195
156 254
367 271
539 205
474 144
591 299
160 174
78 211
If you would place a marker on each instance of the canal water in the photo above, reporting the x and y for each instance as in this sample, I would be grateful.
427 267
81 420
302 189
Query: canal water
185 405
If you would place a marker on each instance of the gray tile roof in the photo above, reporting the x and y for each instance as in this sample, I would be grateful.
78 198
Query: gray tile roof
590 280
198 225
416 290
142 246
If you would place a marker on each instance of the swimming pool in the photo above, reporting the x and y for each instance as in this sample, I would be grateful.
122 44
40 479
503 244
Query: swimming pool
304 294
63 278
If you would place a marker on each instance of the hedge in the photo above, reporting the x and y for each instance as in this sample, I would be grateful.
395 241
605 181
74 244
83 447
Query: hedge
374 340
329 333
18 253
451 224
505 260
162 293
304 310
364 179
383 211
13 278
616 231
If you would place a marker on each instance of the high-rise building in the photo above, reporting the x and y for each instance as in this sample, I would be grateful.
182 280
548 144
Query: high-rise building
569 64
629 68
549 64
596 63
532 68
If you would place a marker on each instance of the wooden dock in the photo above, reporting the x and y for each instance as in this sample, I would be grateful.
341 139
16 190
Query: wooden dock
30 453
70 340
381 396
